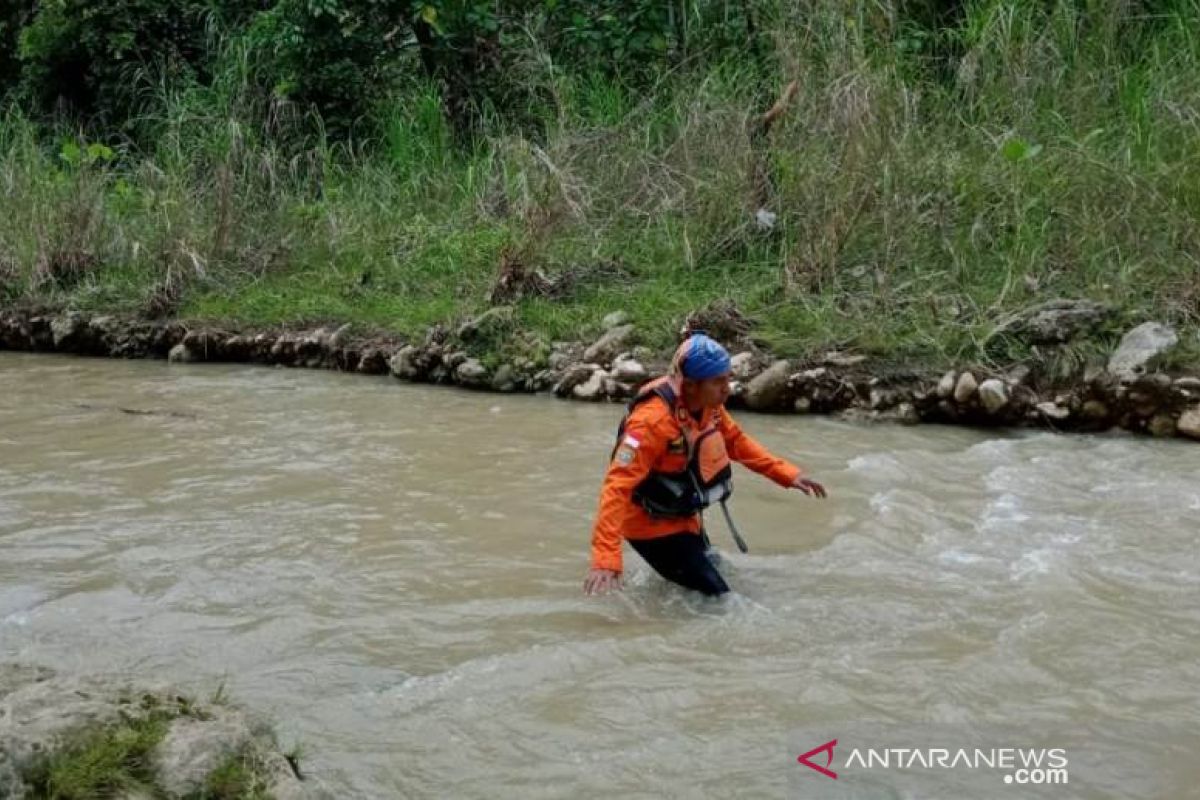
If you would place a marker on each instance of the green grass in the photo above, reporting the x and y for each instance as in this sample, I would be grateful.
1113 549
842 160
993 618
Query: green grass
236 779
104 762
1061 159
112 760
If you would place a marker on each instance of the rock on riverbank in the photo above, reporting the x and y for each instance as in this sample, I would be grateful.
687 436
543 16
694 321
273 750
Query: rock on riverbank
1131 393
104 738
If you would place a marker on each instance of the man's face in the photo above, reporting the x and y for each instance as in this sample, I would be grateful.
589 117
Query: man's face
712 392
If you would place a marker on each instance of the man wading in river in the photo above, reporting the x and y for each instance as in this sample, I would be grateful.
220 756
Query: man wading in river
672 460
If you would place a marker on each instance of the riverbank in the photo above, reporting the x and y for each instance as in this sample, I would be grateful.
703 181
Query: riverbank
843 194
1131 390
66 737
1007 195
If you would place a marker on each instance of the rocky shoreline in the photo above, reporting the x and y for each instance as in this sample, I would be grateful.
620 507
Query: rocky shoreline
65 736
1128 392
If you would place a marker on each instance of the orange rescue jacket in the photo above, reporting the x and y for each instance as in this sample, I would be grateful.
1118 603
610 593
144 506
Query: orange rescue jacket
655 439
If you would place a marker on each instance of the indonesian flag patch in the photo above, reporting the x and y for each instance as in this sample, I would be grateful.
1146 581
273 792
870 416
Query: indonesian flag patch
628 450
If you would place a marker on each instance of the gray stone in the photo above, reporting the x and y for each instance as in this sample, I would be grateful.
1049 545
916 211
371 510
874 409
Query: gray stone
282 782
616 390
905 414
505 379
742 367
182 354
1146 410
629 371
237 348
374 361
614 320
318 338
1094 410
558 359
106 326
1162 426
340 337
192 748
643 354
813 375
769 390
35 709
1189 423
282 350
1188 384
471 373
404 363
1055 322
39 709
1139 347
591 389
435 336
802 405
66 329
486 322
542 380
1053 411
965 388
611 343
837 359
1153 383
945 386
880 399
574 376
993 394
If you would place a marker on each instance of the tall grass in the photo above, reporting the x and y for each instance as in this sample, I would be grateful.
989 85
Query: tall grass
1056 153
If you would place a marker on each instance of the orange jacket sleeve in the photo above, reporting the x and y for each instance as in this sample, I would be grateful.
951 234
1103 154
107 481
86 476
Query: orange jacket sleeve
640 447
743 449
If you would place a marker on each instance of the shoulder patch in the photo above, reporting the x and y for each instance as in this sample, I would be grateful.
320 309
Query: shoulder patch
625 455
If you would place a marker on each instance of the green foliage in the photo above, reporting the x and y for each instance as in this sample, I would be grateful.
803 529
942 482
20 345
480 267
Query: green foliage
14 14
339 56
1050 152
115 759
618 35
95 59
107 60
104 762
235 779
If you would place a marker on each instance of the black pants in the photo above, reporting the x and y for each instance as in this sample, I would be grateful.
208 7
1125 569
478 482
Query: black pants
681 559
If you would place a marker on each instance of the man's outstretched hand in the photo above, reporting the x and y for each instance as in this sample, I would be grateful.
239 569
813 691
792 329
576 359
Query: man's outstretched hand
601 581
809 487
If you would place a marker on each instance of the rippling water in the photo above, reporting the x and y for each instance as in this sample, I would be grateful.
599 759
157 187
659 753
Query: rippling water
393 574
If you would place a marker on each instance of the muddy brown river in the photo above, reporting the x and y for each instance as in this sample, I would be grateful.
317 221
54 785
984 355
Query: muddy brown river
392 573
